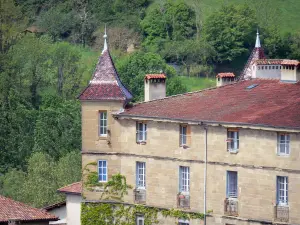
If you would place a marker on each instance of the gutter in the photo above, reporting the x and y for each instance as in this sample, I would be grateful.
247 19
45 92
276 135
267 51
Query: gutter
211 123
205 174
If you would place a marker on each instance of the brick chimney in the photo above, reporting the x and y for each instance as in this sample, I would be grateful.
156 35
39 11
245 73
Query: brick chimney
155 86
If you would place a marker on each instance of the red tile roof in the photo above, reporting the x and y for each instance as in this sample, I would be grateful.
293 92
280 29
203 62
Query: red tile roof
290 62
268 61
75 188
105 84
271 103
155 76
225 75
10 209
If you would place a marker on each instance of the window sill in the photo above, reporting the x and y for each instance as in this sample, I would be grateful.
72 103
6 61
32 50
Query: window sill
184 146
102 137
141 142
283 155
233 151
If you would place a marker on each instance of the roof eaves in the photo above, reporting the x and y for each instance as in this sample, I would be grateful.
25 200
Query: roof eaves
210 122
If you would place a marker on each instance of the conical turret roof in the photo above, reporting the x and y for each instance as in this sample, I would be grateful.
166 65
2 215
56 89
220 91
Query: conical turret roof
106 84
257 53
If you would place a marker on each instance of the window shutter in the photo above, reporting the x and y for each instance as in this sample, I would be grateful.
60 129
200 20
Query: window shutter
277 190
180 179
189 137
145 131
137 174
137 132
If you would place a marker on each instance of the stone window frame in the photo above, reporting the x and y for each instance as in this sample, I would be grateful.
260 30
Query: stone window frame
184 135
283 146
102 116
233 140
282 190
231 194
140 183
141 129
140 218
183 222
102 180
184 179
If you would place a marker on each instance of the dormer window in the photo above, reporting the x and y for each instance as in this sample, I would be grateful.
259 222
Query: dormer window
141 132
283 142
233 140
103 123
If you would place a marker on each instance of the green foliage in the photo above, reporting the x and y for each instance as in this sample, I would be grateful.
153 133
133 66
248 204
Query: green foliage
38 186
172 20
11 23
231 31
133 68
117 213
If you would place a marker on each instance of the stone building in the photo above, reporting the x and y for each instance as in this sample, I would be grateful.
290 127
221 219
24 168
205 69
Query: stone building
231 152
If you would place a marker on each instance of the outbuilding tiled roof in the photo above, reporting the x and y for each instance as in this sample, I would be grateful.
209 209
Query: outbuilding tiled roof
259 102
75 188
155 76
225 75
290 62
10 209
277 62
105 84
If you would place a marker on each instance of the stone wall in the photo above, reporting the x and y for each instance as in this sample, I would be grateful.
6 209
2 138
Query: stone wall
257 164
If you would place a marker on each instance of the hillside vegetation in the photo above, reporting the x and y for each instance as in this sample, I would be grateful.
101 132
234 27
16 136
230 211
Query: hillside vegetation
49 49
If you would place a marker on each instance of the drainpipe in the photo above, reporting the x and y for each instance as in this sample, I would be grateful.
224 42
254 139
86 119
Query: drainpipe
205 173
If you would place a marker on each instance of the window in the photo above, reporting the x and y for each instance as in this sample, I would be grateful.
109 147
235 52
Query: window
184 135
282 190
103 124
183 222
141 174
141 132
262 67
276 67
102 170
283 144
232 184
139 220
184 179
232 140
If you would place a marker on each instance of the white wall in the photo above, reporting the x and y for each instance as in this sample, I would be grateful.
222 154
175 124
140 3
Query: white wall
269 71
73 209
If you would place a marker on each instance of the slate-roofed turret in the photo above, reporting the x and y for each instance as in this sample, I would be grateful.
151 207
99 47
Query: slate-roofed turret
105 83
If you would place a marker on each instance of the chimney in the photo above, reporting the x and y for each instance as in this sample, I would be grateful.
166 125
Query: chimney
290 71
155 86
225 78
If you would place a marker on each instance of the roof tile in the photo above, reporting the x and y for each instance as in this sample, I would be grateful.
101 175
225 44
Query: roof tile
10 209
269 103
75 188
155 76
225 75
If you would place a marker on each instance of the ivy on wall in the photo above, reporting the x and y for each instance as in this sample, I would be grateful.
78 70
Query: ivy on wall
111 209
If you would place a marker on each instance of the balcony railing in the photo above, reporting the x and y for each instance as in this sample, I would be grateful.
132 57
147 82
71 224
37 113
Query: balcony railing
231 207
139 196
281 213
183 200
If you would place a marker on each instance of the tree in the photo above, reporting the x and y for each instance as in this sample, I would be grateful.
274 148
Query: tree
189 53
133 68
38 186
65 59
230 31
168 21
11 24
30 66
58 127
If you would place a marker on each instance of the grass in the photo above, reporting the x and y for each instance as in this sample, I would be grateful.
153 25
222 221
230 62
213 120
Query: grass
195 83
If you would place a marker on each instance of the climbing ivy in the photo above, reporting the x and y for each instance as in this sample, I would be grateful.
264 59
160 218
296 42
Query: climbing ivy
111 209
